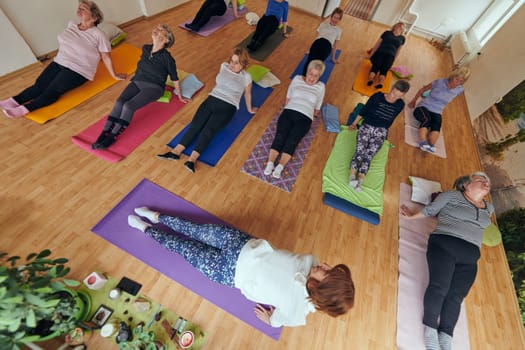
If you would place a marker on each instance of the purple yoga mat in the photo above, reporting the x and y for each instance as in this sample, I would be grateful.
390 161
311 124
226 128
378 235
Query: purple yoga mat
215 23
114 228
257 160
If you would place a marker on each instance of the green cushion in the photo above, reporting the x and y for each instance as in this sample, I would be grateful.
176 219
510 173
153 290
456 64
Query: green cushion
257 72
166 97
116 40
337 172
491 236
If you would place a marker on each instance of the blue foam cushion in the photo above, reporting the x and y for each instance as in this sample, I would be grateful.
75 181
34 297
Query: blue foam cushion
330 117
351 209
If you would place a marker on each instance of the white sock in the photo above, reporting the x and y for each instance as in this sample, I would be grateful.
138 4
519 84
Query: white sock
431 338
136 222
277 171
147 213
445 341
269 168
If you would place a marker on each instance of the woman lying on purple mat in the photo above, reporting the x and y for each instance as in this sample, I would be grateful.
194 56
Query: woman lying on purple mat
147 86
303 102
452 254
293 284
218 108
209 9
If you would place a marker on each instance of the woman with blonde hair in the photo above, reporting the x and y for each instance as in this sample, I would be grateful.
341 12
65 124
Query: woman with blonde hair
428 112
80 48
303 102
218 109
294 285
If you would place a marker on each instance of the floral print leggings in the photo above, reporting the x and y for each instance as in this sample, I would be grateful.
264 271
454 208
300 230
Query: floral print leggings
369 142
212 249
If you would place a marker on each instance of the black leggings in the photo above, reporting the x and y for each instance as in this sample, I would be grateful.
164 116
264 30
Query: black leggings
52 83
292 126
452 266
266 26
208 9
213 115
136 95
381 63
320 50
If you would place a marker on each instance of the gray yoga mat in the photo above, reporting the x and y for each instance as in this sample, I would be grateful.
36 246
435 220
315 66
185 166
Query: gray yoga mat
271 44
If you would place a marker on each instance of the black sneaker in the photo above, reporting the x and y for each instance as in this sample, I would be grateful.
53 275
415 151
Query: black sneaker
168 156
98 142
190 166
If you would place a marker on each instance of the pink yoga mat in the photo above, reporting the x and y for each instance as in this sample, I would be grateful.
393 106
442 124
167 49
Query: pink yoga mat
215 23
413 280
145 121
412 136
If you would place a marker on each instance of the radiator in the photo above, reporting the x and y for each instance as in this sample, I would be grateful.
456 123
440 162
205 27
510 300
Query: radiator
460 47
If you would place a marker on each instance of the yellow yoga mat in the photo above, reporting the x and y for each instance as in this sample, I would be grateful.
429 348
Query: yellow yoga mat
362 78
125 58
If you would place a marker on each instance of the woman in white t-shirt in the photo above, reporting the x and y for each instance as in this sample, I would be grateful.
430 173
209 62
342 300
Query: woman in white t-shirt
80 48
303 103
218 109
294 285
328 36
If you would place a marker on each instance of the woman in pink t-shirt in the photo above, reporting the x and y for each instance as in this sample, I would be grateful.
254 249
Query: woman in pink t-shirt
81 46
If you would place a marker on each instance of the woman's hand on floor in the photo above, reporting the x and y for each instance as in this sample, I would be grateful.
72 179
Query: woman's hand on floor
263 314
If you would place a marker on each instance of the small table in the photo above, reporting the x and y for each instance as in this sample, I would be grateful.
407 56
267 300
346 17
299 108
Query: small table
123 309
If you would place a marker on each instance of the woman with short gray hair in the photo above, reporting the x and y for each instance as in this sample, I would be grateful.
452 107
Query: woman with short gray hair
80 48
452 253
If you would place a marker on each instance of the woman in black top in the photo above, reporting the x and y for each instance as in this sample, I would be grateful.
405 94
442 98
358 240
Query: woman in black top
378 114
154 66
384 53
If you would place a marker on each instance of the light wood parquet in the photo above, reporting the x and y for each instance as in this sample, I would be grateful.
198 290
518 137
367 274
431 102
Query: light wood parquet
53 193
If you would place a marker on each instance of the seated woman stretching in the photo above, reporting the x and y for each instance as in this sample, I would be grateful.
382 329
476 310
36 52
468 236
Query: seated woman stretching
155 64
276 14
328 36
428 112
218 109
384 53
452 254
303 102
80 47
293 284
209 9
378 114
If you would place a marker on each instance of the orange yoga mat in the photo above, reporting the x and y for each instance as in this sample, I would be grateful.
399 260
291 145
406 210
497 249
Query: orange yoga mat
362 78
125 58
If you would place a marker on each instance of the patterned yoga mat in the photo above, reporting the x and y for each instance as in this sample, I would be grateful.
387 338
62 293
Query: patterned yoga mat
257 160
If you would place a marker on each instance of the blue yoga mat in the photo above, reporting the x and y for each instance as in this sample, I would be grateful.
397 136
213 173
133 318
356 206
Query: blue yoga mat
224 139
329 67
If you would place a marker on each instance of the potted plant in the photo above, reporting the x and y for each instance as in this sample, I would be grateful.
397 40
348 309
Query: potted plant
142 340
35 301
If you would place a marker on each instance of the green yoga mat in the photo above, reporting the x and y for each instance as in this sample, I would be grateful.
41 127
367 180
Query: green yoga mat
271 44
337 172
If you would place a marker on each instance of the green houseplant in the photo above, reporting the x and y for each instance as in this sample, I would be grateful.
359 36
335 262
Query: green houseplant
35 301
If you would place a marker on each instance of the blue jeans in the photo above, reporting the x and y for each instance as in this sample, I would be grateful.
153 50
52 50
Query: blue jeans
212 249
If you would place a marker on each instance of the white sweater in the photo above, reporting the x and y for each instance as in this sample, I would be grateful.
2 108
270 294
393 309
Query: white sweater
278 278
305 98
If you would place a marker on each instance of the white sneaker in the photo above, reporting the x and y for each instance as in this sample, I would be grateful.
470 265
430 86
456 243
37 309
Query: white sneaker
269 168
277 171
353 183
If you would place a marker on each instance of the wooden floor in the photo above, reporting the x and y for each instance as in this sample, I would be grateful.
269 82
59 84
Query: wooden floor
53 193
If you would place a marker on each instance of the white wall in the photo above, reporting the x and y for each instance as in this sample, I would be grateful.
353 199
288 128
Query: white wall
440 18
499 68
41 24
19 54
152 7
